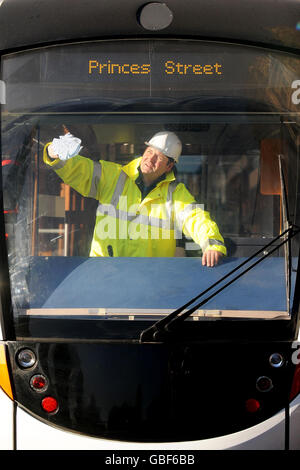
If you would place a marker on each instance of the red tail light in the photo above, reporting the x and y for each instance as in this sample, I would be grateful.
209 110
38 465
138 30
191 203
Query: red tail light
49 404
252 405
39 383
264 384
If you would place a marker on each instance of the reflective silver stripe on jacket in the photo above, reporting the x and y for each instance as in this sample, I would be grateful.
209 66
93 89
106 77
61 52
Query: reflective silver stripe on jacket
118 189
60 164
95 180
181 217
209 242
170 207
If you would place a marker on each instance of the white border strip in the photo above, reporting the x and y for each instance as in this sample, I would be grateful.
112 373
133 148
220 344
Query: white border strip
131 313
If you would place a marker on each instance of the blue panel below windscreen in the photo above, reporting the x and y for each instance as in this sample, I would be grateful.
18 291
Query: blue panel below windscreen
152 283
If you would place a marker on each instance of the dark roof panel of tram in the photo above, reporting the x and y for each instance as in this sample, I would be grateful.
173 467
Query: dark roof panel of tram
25 23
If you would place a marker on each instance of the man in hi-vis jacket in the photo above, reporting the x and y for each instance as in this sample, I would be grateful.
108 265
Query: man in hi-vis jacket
142 208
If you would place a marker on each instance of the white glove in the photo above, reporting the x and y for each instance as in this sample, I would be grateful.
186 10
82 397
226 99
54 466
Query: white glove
67 146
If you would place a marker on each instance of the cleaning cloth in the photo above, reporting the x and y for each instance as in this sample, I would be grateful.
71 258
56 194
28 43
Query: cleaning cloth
67 146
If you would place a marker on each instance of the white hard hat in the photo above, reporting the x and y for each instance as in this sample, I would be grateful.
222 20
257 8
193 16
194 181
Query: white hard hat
168 143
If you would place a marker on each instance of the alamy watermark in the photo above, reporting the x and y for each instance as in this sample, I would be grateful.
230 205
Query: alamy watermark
2 92
134 222
296 93
296 354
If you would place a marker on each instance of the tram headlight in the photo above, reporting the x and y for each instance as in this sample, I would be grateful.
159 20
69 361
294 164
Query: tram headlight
26 358
276 360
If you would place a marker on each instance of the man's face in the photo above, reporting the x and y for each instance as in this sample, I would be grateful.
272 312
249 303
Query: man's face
154 163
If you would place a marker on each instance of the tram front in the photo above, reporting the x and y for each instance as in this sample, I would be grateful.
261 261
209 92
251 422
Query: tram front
151 347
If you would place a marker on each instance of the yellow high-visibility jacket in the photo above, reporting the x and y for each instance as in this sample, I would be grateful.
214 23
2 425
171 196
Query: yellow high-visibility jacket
125 224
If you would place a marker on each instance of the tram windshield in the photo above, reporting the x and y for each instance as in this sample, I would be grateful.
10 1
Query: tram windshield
235 110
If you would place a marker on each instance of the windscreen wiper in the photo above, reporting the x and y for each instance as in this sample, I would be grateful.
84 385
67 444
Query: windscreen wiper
162 328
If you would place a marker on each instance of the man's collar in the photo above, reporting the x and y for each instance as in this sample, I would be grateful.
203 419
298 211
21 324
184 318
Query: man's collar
140 181
132 170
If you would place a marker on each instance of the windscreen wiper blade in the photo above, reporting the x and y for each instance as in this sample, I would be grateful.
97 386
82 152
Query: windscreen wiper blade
163 327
